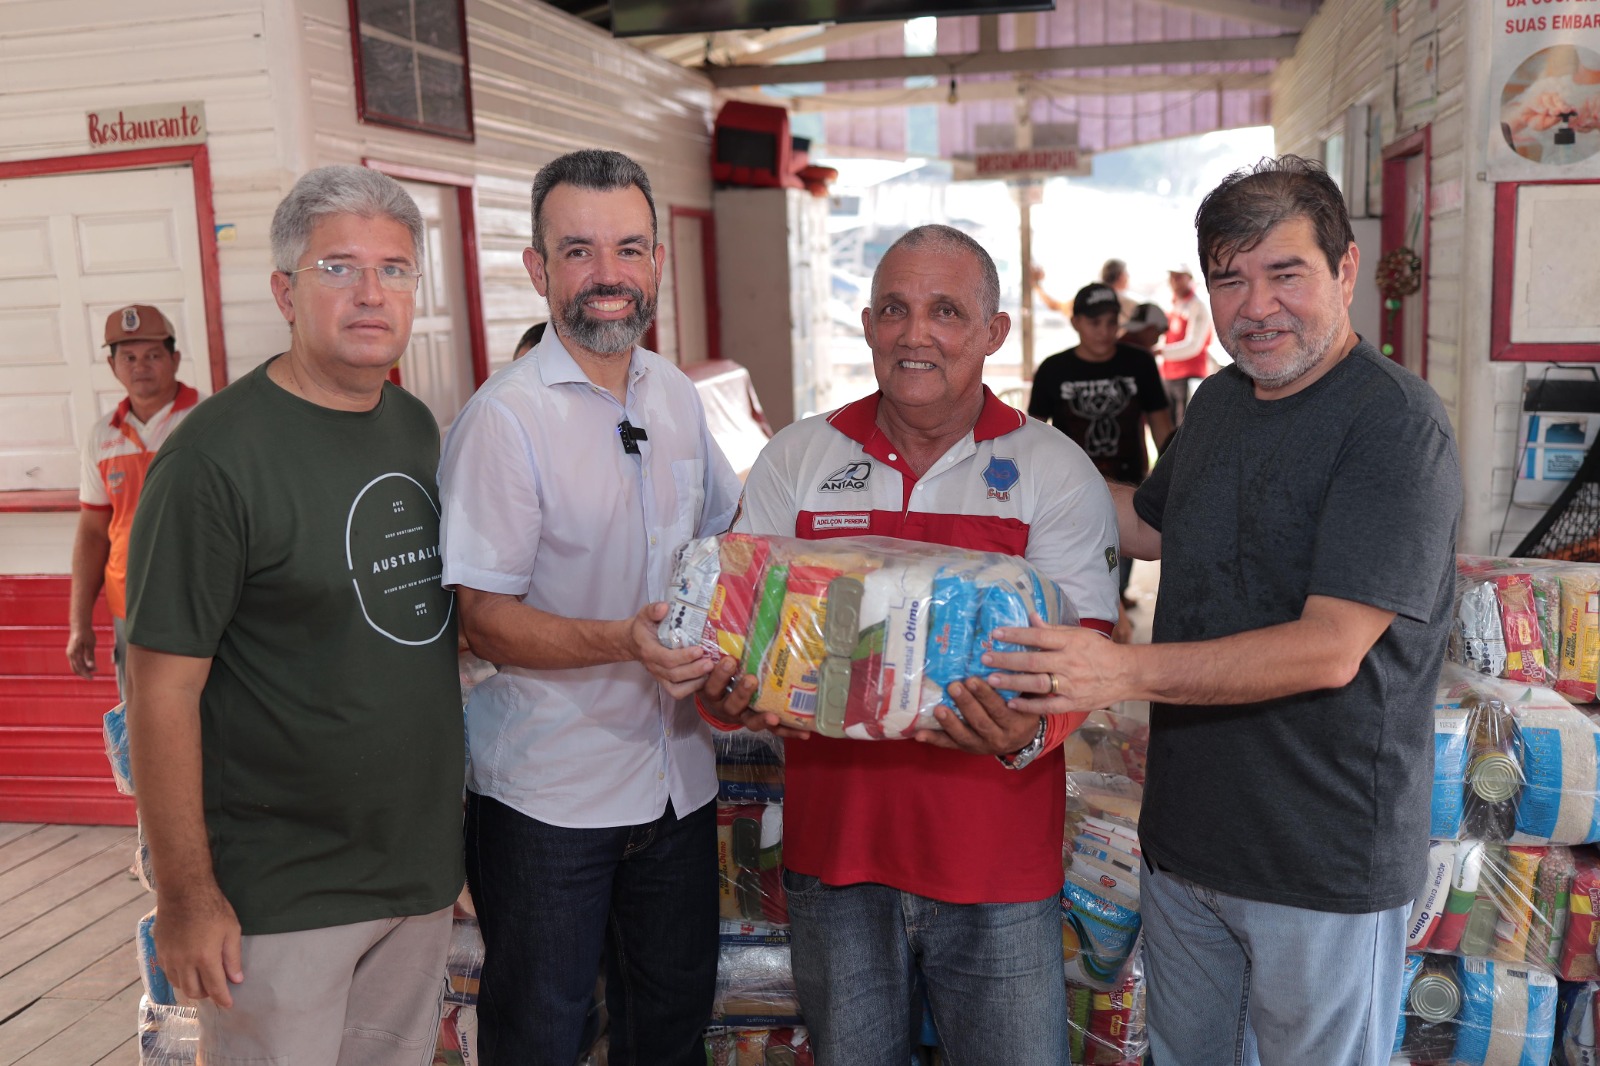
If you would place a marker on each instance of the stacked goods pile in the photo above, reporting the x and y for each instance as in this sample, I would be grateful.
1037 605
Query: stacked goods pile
1503 927
756 1013
855 637
1100 892
1532 620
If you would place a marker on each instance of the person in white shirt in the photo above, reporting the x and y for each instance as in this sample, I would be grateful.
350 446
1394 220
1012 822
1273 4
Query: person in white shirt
568 482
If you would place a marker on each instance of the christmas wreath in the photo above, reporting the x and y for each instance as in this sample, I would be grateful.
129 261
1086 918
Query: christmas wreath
1399 274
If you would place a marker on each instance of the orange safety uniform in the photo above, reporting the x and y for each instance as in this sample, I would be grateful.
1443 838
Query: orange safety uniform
115 457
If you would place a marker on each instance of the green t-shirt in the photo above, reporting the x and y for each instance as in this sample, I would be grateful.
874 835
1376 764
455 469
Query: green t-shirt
297 547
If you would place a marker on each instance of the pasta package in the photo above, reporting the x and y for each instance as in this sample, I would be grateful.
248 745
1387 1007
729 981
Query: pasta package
854 637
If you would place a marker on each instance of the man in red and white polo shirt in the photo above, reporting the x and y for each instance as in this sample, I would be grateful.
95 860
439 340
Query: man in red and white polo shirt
116 452
941 856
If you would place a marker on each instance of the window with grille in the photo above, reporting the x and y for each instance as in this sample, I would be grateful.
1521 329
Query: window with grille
411 65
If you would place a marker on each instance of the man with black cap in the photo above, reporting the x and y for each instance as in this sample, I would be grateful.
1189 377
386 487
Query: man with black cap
116 453
1101 393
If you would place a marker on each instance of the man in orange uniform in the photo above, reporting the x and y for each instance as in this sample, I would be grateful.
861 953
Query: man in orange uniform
117 451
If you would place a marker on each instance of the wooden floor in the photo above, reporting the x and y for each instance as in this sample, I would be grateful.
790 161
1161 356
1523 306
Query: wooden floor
69 979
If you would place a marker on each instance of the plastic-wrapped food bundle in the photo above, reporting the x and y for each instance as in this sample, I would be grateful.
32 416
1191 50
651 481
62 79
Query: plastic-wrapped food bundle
115 728
1109 743
1511 903
750 862
755 985
168 1036
1533 620
1100 894
458 1036
1512 762
142 869
1507 1015
759 1047
1577 961
157 988
749 766
856 636
464 964
1107 1028
1576 1041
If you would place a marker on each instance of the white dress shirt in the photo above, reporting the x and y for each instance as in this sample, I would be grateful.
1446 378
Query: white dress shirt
542 502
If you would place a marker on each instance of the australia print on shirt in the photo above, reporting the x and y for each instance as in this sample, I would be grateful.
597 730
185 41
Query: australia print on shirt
392 549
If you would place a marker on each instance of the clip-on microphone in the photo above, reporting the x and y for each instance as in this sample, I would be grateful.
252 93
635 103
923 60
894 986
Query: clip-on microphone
631 435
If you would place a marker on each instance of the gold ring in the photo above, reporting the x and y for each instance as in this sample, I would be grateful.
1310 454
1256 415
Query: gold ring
1055 689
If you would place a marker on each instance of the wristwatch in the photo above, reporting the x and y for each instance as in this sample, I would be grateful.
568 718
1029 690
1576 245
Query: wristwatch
1018 759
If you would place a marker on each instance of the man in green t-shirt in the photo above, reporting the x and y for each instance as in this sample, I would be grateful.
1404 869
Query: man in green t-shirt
295 715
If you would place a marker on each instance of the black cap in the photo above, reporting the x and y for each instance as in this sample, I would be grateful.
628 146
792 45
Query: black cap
1095 299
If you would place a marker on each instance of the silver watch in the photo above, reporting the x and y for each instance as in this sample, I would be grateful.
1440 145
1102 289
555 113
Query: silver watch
1017 760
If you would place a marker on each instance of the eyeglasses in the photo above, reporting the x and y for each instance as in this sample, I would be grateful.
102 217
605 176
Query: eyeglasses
337 275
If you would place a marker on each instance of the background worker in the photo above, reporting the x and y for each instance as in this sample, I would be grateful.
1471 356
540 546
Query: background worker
116 453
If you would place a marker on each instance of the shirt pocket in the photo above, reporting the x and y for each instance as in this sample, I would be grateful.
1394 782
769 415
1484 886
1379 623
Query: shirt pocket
689 487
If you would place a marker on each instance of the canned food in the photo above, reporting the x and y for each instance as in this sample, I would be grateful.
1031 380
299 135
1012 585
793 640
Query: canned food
1435 996
1494 776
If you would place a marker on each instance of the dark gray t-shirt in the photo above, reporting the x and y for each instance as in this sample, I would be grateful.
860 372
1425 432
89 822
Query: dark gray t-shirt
1349 489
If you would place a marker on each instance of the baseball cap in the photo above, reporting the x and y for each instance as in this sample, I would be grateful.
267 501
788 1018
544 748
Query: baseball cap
1093 299
1146 316
1180 268
137 322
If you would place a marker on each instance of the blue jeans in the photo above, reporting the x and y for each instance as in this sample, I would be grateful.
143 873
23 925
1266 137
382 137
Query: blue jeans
1242 982
552 901
993 974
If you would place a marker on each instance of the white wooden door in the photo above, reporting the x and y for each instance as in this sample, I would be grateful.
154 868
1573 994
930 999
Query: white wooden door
74 248
437 366
689 284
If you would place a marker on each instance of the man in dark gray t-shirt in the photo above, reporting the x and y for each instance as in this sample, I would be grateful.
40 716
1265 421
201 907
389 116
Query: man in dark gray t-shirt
1305 516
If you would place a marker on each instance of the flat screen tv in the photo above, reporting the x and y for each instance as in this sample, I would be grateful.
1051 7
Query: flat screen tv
635 17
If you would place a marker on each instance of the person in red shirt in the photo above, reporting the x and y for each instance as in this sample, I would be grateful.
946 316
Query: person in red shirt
116 453
940 857
1186 350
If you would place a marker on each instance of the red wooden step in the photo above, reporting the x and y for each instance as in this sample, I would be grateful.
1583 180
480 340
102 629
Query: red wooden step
56 701
63 806
53 762
41 599
42 650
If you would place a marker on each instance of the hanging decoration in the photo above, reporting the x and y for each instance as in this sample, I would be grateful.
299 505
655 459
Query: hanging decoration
1399 275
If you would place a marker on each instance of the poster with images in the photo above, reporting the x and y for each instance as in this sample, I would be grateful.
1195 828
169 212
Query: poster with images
1545 90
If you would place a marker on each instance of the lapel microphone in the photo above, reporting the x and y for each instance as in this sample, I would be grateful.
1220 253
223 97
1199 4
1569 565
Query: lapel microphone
631 436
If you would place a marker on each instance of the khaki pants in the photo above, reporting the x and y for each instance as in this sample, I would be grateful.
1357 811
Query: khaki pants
367 994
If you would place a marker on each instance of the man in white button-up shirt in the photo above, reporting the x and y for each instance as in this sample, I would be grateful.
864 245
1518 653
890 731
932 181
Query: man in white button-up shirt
568 482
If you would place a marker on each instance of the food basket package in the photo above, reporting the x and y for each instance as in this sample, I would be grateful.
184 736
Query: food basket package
856 636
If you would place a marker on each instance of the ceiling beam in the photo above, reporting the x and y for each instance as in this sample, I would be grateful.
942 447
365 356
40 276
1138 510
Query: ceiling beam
1218 50
1245 11
1008 90
830 35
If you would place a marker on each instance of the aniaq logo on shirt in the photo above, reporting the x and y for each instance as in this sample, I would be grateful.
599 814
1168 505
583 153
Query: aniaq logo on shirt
392 548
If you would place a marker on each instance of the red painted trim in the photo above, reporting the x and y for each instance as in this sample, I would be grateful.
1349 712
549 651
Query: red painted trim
198 159
1392 330
41 501
708 268
378 118
1501 347
471 268
477 333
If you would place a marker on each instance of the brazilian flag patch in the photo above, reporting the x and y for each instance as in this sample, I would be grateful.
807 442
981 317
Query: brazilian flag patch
1111 558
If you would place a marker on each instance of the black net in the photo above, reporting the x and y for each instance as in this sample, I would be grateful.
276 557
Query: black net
1570 529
